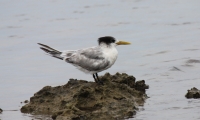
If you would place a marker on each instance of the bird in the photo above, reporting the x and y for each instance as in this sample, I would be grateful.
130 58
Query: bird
90 60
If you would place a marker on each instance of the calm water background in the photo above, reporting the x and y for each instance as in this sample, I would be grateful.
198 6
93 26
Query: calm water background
165 37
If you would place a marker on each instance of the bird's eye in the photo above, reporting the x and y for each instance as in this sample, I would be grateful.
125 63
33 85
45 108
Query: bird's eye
113 41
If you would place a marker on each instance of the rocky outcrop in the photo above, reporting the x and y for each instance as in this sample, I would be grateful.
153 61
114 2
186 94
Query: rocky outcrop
193 93
118 98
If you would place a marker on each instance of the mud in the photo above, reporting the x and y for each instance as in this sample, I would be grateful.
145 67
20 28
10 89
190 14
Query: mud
118 98
193 93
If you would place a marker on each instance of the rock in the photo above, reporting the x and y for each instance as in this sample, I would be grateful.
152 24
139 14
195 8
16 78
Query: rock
1 110
118 98
193 93
26 101
141 86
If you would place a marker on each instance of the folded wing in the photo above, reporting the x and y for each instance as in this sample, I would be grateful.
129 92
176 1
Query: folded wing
91 59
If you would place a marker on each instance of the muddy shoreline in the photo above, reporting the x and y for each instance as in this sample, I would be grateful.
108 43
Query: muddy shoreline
118 98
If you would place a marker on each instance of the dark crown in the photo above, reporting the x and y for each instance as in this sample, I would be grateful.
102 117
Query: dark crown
107 40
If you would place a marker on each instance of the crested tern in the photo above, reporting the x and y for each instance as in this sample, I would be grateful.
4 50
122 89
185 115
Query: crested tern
90 60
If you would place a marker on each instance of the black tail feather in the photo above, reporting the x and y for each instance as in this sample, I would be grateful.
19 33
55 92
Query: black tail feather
51 51
45 46
45 50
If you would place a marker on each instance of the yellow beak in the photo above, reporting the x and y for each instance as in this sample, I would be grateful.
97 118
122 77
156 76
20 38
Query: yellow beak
123 43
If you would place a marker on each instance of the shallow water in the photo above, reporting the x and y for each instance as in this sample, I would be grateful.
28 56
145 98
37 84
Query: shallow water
164 36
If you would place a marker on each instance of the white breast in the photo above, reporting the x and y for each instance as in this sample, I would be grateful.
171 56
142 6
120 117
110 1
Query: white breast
110 53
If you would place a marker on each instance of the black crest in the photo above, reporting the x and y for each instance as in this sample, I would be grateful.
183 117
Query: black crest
107 40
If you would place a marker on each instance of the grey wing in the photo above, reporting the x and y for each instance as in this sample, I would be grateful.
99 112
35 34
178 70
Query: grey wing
91 59
92 53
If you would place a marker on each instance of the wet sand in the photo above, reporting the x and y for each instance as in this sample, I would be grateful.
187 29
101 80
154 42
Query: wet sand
165 45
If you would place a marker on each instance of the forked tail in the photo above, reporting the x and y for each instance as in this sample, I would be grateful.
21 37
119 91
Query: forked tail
52 52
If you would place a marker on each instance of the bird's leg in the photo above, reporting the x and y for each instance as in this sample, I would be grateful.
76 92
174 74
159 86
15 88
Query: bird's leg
95 78
100 81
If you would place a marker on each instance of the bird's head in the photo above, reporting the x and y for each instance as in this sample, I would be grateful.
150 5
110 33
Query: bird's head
108 40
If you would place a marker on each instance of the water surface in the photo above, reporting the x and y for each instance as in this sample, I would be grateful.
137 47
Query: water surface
164 36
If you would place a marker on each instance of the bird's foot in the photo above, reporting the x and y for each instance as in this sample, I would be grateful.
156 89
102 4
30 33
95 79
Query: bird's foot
100 82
